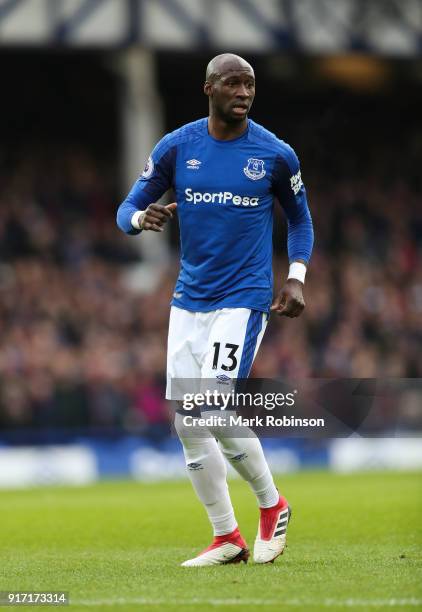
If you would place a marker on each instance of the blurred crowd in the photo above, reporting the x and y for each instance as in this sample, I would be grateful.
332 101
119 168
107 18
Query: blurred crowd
80 347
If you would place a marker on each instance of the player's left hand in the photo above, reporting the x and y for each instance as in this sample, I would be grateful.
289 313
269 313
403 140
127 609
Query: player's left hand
289 302
156 215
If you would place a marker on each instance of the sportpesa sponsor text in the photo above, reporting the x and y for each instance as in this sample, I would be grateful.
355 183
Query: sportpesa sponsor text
220 197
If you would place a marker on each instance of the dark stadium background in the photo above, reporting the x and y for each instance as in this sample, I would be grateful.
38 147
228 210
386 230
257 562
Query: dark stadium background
80 349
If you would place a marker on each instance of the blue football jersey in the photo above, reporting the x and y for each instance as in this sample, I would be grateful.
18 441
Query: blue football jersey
225 192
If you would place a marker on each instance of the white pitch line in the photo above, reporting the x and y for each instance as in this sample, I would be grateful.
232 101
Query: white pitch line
325 603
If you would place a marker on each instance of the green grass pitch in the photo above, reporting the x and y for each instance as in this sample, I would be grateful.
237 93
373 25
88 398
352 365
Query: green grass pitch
355 541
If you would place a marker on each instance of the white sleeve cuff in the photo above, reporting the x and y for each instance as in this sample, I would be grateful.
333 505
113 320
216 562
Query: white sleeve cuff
136 219
297 270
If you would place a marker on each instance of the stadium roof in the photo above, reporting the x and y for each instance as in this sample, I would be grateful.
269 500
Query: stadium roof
392 27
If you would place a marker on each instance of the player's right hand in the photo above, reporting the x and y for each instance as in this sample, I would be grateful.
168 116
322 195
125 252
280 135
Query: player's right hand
156 215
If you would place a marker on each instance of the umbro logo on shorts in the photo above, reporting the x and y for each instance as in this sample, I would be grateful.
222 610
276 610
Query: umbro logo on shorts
223 378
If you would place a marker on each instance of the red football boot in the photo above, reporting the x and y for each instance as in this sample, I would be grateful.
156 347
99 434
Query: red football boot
271 539
230 548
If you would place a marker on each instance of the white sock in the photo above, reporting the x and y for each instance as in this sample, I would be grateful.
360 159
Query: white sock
248 459
207 471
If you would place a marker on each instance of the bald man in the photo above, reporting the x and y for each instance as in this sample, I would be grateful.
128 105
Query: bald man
226 172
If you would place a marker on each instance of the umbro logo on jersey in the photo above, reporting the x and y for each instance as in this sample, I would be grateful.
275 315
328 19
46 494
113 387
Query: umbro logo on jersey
193 164
255 169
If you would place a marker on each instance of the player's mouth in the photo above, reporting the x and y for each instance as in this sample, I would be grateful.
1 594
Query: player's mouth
240 108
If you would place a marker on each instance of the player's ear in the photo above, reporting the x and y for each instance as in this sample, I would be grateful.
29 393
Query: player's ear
207 88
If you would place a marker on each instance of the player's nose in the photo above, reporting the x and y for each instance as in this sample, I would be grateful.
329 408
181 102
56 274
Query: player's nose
242 92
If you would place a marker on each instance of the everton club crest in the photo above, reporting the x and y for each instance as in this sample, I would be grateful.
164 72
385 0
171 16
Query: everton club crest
255 169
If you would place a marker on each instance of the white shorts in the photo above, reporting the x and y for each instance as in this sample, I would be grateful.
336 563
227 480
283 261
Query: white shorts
214 346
